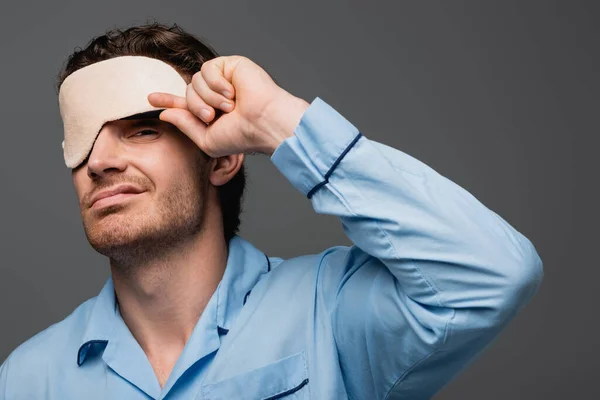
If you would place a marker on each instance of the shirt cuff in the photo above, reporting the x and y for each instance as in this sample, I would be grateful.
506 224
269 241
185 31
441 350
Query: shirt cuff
321 140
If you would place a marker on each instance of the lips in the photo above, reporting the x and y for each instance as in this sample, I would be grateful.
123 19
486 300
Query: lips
114 191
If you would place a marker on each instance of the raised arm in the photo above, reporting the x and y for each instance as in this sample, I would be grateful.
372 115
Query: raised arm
434 275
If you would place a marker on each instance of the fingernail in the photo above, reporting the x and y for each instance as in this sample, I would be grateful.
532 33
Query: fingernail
205 114
226 106
227 94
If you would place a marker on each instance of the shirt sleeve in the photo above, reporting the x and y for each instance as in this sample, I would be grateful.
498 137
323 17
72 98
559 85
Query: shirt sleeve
433 275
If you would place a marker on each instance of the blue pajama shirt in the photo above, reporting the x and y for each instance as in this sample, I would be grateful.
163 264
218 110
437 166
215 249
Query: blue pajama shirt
431 279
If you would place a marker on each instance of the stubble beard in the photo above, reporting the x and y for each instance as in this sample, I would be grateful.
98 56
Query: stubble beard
132 236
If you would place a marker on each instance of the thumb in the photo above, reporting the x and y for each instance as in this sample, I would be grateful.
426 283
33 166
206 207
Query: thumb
192 126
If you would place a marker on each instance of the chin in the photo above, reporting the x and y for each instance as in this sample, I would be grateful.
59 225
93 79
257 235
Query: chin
113 223
116 240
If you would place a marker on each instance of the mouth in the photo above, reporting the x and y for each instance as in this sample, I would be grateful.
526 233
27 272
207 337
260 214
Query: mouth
114 199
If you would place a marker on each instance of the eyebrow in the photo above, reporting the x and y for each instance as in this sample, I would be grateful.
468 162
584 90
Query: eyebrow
149 118
150 122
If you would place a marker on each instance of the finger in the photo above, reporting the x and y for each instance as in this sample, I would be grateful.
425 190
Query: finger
167 100
198 106
213 73
187 123
209 96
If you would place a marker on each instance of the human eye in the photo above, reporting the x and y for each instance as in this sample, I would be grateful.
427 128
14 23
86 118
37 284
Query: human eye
145 132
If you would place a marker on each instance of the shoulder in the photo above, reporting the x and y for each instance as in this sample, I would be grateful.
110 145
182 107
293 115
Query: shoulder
326 269
56 336
336 257
51 347
300 263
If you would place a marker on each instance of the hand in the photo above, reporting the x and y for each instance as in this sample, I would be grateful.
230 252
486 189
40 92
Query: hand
258 114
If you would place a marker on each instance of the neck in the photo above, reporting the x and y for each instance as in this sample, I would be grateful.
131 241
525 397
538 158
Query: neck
162 300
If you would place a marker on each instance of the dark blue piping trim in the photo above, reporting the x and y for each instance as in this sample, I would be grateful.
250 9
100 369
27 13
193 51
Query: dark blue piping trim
81 354
335 164
293 390
222 331
246 297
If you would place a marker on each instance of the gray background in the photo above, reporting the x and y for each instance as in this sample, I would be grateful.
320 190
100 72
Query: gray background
491 94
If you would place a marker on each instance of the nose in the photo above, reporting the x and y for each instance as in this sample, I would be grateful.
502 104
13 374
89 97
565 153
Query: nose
106 155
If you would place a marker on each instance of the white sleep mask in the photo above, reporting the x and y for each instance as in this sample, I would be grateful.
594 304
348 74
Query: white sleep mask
107 91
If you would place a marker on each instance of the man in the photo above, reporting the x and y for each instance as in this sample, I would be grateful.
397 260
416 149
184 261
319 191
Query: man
194 311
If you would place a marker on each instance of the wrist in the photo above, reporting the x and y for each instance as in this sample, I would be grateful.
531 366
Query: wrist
280 119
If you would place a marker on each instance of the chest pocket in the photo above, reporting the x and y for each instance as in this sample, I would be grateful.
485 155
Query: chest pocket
284 379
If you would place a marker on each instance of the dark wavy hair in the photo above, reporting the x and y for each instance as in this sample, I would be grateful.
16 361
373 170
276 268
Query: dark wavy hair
184 52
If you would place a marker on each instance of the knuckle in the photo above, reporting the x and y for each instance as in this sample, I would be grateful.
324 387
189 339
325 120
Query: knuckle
197 80
189 91
199 90
196 106
190 96
207 66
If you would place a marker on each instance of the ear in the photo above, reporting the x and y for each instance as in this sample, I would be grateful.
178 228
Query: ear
224 168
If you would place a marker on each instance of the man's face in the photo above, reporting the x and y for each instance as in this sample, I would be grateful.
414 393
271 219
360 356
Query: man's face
166 167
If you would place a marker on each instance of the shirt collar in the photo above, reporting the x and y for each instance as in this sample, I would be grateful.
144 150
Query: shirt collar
245 267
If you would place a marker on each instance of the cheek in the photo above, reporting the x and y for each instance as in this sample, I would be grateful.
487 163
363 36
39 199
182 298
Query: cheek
80 183
171 174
